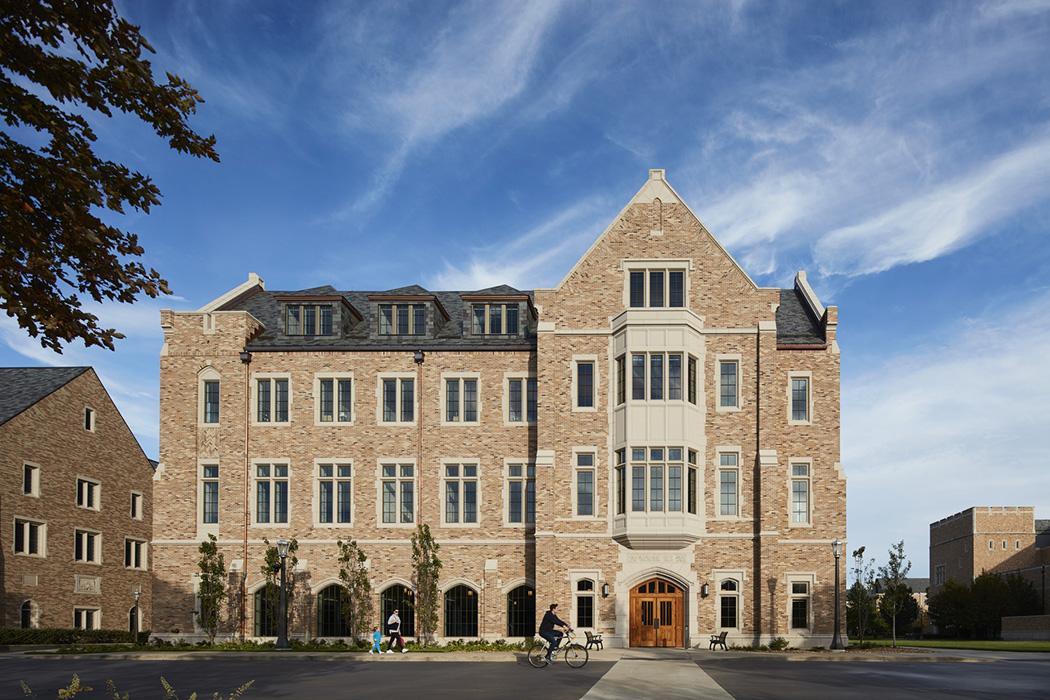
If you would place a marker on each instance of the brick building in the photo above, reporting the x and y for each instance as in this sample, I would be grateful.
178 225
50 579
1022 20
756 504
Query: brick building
999 539
654 443
76 497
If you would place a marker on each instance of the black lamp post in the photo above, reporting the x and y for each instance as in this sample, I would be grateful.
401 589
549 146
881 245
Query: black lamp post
282 630
836 640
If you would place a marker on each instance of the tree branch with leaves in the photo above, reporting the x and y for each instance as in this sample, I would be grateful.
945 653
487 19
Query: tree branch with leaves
211 586
896 591
353 573
426 568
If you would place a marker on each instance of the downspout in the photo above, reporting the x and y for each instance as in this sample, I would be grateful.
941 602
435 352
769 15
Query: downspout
757 504
246 360
419 357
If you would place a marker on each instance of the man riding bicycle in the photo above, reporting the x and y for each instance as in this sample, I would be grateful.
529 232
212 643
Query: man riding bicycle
547 631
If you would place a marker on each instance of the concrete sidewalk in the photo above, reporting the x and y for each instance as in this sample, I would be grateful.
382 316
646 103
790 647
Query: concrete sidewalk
611 655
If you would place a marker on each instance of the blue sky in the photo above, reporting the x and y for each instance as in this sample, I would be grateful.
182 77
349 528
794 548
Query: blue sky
899 152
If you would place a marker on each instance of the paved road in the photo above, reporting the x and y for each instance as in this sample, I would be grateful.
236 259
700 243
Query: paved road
304 678
760 678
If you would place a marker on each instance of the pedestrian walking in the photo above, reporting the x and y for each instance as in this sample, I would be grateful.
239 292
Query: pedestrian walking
393 628
377 639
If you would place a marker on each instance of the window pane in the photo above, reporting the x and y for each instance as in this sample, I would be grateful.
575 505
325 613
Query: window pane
656 288
656 488
326 400
470 501
637 289
407 505
292 314
638 377
452 400
408 400
585 611
691 487
389 501
621 380
386 319
325 507
389 400
656 377
211 502
512 319
676 281
799 613
263 391
621 491
674 377
451 501
419 321
728 611
262 502
530 500
309 320
280 400
478 317
531 384
402 319
727 490
470 400
800 500
585 492
211 401
692 380
638 488
800 399
585 384
345 400
514 400
280 501
514 502
326 319
674 488
344 501
495 318
727 379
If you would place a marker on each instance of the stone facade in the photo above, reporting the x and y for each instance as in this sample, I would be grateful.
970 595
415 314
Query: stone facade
50 435
587 318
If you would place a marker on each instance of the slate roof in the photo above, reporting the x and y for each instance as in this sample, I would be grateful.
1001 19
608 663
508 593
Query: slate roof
21 387
1042 533
796 324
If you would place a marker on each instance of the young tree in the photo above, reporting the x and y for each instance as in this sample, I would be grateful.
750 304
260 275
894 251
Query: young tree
354 576
892 576
271 569
212 586
63 62
860 599
426 567
906 613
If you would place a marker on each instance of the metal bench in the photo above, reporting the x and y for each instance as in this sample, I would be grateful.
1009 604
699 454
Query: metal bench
594 640
718 640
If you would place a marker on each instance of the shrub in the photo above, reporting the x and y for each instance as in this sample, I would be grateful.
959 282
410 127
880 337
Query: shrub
69 636
778 644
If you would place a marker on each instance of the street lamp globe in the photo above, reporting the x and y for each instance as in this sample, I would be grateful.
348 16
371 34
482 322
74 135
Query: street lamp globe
282 548
836 547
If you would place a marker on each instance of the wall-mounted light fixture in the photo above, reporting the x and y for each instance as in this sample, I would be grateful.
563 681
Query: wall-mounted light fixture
419 356
246 357
605 590
705 590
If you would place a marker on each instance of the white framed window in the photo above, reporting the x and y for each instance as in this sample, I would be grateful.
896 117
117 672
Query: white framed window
727 383
658 477
30 538
801 493
800 398
333 493
137 504
270 505
495 318
89 419
520 390
87 618
460 493
87 546
334 398
31 480
396 399
585 383
656 284
210 397
397 493
800 608
461 398
209 490
271 398
585 480
89 493
658 376
519 493
135 554
728 470
729 604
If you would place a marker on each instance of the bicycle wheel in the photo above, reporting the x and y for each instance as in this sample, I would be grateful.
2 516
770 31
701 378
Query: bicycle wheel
576 656
537 655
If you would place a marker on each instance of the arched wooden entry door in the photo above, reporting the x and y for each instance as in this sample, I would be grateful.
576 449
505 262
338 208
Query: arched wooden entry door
657 614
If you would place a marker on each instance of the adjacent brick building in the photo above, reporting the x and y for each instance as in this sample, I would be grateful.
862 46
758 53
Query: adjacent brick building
653 443
76 498
993 539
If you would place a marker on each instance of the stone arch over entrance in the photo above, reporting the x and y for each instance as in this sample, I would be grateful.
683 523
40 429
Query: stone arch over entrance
678 566
657 613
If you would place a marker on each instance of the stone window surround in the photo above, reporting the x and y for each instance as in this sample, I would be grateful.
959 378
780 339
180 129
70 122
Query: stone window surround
720 575
41 537
202 527
34 491
524 377
397 403
34 613
315 502
660 264
144 557
399 461
575 576
800 375
141 503
666 380
253 499
800 576
738 359
505 487
461 423
97 622
208 373
90 415
254 410
335 376
596 513
98 493
98 546
808 461
595 393
469 461
717 488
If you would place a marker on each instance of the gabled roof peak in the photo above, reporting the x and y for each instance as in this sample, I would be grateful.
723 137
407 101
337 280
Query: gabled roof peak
401 291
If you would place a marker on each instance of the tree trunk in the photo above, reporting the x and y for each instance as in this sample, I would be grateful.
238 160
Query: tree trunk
895 630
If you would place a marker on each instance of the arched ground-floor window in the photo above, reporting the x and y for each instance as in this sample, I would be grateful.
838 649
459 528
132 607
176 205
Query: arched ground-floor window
133 619
266 608
521 612
28 617
398 597
333 608
461 612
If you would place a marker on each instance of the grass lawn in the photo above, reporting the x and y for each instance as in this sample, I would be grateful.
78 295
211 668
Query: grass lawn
972 644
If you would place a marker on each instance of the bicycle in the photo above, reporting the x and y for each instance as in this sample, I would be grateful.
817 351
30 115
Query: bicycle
575 654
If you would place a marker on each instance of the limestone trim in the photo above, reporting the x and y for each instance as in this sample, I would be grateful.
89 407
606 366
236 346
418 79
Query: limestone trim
808 462
83 532
253 500
254 408
207 374
574 364
335 377
517 583
666 265
738 576
478 481
808 376
379 479
802 283
595 577
144 565
716 487
451 583
392 581
809 578
444 541
205 529
315 502
596 513
397 422
90 414
461 408
325 583
525 378
34 479
252 282
90 481
736 358
524 462
41 536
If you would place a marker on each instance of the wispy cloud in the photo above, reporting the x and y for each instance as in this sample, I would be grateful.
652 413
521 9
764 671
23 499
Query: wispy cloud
921 431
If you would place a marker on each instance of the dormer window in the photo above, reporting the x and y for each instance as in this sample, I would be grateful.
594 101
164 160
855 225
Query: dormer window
494 319
655 286
402 319
308 319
